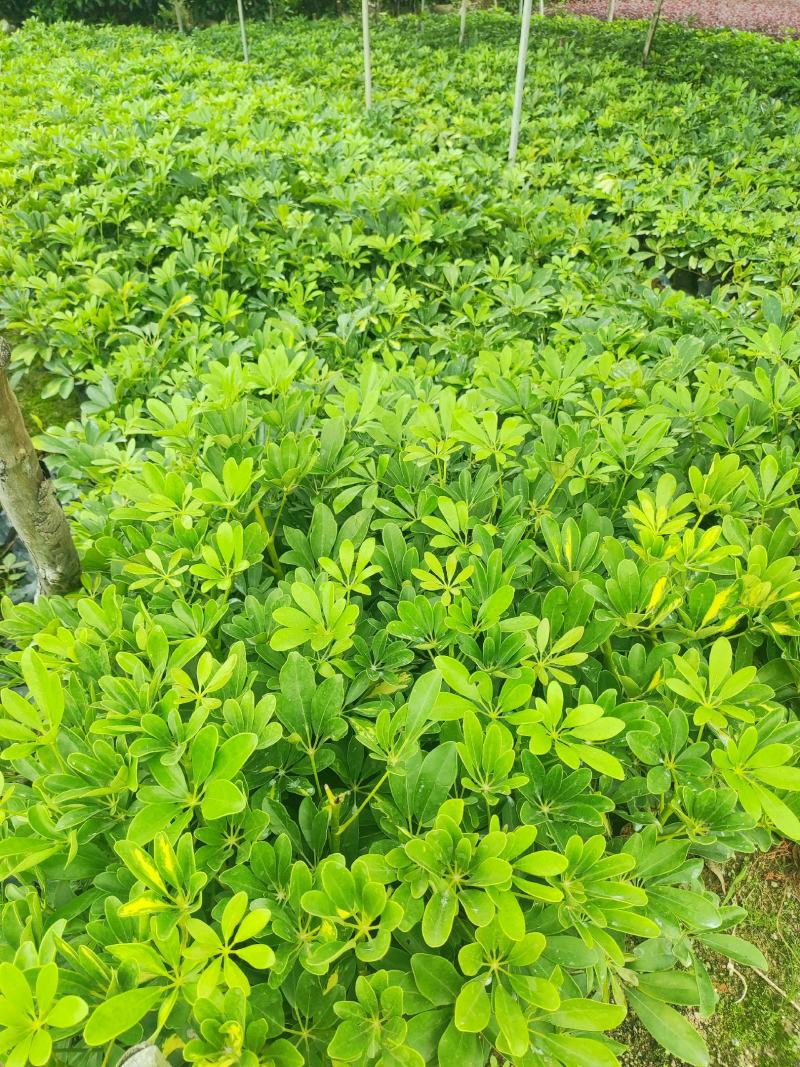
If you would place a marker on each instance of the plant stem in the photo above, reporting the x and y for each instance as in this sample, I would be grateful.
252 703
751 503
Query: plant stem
620 494
262 522
312 757
608 655
364 803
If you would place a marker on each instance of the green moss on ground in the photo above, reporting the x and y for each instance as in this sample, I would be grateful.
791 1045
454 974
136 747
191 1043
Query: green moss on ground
755 1025
41 412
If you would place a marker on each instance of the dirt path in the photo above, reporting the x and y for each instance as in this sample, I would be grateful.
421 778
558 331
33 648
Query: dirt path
777 17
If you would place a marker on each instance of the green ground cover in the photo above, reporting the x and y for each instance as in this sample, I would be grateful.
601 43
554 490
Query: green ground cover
438 641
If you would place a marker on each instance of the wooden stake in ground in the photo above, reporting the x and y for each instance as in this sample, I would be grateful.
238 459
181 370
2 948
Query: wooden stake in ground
28 498
611 7
522 57
651 30
243 28
367 54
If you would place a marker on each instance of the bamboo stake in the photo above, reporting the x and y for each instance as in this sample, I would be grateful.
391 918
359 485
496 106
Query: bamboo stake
243 28
651 31
367 54
522 56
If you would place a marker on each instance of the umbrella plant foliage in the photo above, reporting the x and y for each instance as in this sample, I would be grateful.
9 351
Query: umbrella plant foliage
439 617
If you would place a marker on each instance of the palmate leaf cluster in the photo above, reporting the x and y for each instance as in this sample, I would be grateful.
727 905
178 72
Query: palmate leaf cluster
440 607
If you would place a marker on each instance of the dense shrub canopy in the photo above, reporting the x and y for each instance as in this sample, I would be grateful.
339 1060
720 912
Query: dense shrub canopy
87 10
439 618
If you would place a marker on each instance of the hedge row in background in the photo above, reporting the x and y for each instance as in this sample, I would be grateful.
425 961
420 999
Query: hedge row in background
162 12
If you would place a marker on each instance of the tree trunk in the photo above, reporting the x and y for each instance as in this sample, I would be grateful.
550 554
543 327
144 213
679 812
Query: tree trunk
179 16
28 498
651 30
611 6
462 29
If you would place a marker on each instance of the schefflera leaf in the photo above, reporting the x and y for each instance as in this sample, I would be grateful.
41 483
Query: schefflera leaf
576 735
754 771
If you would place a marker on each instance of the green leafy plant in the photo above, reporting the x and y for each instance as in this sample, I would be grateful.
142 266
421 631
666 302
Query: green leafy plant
439 532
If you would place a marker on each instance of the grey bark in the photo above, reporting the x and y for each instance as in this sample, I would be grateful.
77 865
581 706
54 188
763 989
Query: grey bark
651 31
28 497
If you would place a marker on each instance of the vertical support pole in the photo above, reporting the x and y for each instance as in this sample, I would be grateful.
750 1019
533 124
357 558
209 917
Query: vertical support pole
612 4
522 56
242 27
651 31
178 15
367 54
462 30
541 9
